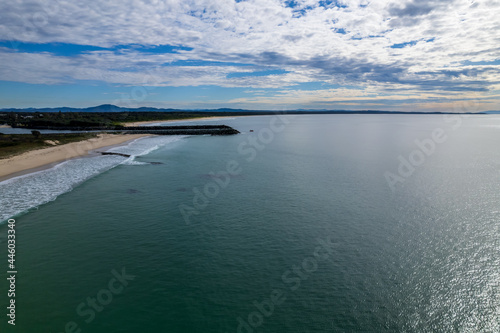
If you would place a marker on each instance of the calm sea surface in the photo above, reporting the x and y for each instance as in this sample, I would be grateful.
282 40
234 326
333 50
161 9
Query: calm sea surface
339 223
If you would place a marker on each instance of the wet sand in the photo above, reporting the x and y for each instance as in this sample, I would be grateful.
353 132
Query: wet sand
40 159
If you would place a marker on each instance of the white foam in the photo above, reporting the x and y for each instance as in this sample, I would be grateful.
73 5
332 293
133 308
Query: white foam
22 193
131 161
145 145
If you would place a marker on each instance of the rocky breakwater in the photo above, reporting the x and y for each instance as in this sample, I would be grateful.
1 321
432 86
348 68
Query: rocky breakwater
182 130
157 130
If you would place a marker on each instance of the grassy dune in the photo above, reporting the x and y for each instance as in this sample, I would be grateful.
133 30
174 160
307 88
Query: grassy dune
15 144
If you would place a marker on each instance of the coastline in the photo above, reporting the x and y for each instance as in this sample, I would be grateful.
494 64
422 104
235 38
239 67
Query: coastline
148 122
40 159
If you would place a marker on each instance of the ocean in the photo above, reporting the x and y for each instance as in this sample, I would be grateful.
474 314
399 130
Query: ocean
307 223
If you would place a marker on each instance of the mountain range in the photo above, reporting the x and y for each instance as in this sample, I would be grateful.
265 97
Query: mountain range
114 108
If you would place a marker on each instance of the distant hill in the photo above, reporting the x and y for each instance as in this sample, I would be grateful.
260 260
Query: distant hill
100 108
114 108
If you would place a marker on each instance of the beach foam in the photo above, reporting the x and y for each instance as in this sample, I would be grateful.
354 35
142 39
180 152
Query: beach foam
25 192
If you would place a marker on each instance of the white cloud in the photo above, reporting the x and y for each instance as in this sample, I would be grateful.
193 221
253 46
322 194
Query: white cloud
348 45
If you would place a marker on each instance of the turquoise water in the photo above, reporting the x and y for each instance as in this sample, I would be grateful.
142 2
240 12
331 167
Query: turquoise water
293 227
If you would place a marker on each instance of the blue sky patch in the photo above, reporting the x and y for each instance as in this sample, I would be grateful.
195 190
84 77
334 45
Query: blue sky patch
151 48
60 49
259 73
403 45
331 3
68 50
481 63
412 43
205 63
79 94
297 10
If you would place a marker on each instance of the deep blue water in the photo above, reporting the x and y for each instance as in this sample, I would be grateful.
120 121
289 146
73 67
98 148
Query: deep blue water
303 225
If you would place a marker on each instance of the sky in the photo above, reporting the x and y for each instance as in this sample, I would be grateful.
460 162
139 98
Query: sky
396 55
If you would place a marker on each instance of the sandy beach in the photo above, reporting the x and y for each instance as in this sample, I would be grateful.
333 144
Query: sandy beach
140 123
36 159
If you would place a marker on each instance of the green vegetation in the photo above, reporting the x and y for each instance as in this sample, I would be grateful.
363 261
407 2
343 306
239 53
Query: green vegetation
15 144
92 119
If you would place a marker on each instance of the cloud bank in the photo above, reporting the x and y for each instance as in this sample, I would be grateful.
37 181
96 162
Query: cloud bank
427 55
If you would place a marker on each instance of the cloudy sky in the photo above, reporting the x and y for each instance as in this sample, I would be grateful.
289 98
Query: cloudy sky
409 55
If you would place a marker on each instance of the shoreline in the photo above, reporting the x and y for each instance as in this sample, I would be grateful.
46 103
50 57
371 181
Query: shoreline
147 122
45 158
